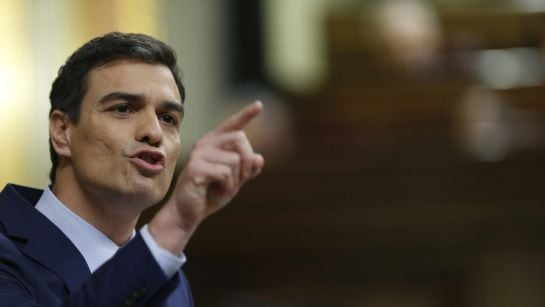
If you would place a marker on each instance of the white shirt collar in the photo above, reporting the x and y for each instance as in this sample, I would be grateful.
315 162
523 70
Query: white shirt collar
95 247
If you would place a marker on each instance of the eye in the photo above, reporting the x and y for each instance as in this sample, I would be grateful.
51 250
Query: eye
169 119
122 109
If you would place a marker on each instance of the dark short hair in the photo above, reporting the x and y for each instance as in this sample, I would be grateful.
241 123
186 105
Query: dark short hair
71 83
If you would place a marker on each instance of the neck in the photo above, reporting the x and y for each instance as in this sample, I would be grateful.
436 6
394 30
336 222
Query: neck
110 214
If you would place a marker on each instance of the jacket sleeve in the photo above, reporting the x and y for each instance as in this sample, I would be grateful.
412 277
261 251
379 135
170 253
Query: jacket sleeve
12 294
19 283
131 278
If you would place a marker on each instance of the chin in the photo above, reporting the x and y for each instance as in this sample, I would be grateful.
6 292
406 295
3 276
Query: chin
142 199
145 193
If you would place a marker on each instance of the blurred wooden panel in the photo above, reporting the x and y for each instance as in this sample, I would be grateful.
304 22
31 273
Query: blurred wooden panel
379 203
352 32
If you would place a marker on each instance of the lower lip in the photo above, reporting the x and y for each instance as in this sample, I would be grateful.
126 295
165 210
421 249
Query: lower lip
146 167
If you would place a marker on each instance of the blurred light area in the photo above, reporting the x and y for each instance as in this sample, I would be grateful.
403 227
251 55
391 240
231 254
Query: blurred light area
485 123
15 88
295 45
410 32
141 16
137 16
510 68
63 22
489 127
520 5
36 37
529 5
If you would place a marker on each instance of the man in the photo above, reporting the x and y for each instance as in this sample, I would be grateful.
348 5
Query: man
116 110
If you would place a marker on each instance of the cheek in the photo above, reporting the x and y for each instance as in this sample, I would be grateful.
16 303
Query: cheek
104 146
100 145
173 152
174 148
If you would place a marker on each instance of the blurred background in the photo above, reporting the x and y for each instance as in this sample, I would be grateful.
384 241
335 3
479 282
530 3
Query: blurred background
404 139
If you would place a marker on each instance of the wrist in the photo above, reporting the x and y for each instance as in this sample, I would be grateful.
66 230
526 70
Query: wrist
169 232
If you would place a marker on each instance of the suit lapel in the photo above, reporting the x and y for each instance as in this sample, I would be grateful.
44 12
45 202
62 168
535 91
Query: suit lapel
45 243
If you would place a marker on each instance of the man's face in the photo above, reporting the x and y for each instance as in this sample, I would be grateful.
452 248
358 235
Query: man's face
126 142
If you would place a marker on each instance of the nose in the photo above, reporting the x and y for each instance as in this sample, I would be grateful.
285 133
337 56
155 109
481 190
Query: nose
149 129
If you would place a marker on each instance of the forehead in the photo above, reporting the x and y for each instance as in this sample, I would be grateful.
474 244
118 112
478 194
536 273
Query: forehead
133 77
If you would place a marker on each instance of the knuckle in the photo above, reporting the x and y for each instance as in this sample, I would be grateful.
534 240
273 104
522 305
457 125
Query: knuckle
240 135
226 174
234 159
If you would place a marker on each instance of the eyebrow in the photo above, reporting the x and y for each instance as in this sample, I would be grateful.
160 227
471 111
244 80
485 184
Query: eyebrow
172 106
139 98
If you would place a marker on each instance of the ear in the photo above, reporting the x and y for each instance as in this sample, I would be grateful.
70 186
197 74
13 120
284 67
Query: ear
59 131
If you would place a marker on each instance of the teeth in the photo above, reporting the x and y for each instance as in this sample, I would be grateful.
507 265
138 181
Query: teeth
150 160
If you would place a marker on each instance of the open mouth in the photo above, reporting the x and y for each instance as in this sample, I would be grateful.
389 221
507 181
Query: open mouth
151 157
149 161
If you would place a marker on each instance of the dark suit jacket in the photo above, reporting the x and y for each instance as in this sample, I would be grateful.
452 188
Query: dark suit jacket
39 266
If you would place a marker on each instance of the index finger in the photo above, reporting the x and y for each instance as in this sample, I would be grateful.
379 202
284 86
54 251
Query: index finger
240 119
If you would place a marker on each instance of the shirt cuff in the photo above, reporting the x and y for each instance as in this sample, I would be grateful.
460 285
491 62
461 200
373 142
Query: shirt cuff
169 263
